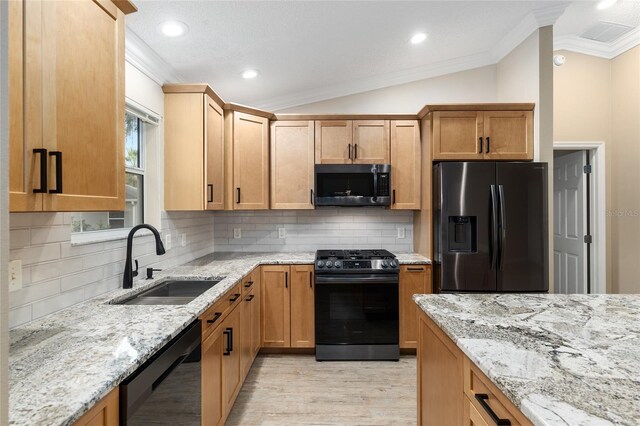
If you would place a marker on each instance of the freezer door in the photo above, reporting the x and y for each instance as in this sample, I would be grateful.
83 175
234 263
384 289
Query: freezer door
463 227
523 260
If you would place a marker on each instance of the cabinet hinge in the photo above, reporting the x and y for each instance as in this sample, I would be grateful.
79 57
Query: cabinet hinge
587 168
588 239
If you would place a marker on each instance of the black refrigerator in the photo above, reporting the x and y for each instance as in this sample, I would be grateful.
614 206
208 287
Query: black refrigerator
491 227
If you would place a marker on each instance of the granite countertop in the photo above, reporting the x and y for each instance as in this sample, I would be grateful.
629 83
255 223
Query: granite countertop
62 364
562 359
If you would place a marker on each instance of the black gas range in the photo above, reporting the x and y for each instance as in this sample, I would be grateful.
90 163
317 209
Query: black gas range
356 305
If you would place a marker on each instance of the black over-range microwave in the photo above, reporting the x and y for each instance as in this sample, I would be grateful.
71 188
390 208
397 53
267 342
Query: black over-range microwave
353 184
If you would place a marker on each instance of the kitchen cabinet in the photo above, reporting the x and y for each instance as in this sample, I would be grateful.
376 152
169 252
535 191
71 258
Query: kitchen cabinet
67 92
212 355
256 329
232 376
194 149
288 306
106 412
250 320
451 386
250 161
482 132
406 161
292 165
414 279
352 141
302 307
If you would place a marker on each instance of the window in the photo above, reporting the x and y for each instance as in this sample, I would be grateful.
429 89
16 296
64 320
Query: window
137 126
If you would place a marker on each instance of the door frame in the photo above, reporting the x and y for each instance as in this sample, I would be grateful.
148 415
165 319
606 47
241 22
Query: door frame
598 209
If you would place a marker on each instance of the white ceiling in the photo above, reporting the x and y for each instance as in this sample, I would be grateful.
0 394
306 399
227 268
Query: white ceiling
309 51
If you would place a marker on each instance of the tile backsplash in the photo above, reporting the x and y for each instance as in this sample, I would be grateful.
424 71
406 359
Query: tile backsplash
309 230
57 274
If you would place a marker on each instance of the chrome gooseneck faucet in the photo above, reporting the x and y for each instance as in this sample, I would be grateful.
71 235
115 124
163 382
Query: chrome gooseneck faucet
129 273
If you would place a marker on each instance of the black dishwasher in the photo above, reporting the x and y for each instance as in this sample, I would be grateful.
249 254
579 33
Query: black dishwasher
166 390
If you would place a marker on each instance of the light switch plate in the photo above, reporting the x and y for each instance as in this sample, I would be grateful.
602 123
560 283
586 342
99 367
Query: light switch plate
15 275
401 233
237 233
184 240
167 241
282 233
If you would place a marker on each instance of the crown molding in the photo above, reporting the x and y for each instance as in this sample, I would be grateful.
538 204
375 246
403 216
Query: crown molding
596 48
143 57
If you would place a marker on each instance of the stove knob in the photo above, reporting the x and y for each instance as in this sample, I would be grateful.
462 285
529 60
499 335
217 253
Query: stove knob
329 264
338 264
393 263
385 264
320 263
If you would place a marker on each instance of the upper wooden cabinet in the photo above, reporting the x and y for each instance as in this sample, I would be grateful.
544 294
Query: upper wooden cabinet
352 141
482 132
250 161
193 149
292 162
406 163
66 99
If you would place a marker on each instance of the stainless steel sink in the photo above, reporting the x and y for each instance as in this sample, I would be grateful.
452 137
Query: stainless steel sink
170 292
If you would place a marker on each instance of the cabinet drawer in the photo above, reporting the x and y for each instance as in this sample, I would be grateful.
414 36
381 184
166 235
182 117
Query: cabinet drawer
217 313
488 400
472 416
250 281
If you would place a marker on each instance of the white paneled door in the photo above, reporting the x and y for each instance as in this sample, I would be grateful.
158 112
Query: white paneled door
569 222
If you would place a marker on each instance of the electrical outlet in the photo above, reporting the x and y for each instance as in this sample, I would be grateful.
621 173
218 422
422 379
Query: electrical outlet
167 241
15 275
282 233
184 240
237 233
401 233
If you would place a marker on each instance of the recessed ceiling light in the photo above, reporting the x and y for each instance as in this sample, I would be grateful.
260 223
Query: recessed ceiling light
418 38
250 74
173 28
606 4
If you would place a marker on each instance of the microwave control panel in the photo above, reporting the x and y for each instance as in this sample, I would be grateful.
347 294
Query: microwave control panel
383 185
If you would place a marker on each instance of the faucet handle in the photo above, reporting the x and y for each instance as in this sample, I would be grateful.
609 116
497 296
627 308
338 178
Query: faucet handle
135 272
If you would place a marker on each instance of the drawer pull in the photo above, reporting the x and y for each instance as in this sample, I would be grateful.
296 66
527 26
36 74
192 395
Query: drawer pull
215 318
235 297
250 298
415 269
248 284
482 399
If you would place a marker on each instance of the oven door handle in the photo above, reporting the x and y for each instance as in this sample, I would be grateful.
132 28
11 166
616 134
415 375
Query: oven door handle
356 279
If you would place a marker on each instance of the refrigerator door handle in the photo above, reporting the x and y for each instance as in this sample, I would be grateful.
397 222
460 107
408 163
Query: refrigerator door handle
503 226
493 249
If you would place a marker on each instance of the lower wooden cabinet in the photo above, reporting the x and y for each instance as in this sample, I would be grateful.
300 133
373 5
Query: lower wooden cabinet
105 413
414 279
288 306
212 402
231 359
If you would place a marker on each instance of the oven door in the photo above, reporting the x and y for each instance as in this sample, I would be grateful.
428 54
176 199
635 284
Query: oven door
356 311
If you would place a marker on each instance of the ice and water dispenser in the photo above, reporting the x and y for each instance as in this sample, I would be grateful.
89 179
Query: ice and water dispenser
462 235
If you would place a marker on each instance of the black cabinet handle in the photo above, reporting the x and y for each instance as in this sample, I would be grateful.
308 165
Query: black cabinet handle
215 318
415 269
355 151
210 193
248 284
488 144
350 152
310 279
229 333
393 196
234 297
311 190
480 141
250 298
43 171
286 280
58 157
482 399
237 195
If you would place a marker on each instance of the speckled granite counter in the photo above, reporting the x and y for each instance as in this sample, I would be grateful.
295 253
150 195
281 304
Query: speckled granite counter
60 365
563 360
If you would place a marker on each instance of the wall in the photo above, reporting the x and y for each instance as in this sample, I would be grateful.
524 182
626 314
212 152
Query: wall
309 230
476 85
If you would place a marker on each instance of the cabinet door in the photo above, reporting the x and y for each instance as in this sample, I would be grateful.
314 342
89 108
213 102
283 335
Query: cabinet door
508 135
246 337
275 306
256 332
334 142
456 135
83 104
414 279
405 165
371 141
25 100
214 155
106 412
231 359
302 307
292 161
212 355
250 162
471 416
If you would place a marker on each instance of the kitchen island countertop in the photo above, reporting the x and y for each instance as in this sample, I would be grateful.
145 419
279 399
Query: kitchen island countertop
62 364
562 359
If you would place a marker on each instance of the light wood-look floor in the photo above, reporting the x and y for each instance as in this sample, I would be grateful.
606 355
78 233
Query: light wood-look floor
297 390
